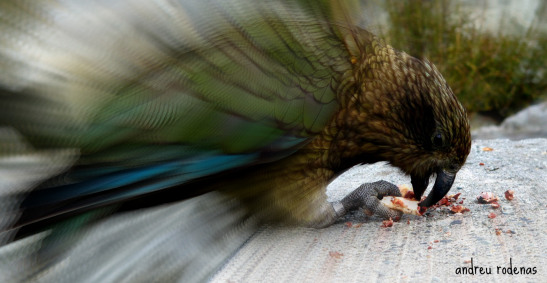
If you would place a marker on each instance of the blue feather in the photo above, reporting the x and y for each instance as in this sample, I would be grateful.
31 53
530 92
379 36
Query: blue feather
169 174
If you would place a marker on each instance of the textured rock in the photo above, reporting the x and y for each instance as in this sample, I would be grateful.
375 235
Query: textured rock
431 248
528 123
189 241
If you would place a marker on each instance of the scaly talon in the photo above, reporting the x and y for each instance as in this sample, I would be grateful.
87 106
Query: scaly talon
368 196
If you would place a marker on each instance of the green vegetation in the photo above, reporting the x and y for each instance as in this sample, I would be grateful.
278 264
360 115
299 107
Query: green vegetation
493 72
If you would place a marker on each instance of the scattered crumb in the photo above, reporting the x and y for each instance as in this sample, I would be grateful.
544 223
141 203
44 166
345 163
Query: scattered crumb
451 201
408 221
454 197
430 247
436 241
498 231
487 149
467 261
492 215
336 255
358 225
349 224
487 197
387 223
509 194
495 205
458 209
444 201
481 164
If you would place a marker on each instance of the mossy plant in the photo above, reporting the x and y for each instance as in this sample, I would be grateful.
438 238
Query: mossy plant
490 71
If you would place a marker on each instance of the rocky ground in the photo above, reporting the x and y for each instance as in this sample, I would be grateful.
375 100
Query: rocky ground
530 122
438 247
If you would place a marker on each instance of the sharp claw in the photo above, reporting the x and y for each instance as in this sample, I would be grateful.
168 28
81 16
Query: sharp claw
368 196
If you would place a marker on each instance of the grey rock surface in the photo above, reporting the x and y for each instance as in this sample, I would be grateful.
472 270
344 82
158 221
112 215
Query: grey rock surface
419 249
212 238
530 122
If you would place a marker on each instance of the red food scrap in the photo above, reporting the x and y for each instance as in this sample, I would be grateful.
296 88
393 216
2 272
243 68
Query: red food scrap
459 208
409 195
398 202
349 224
509 194
498 231
487 149
444 201
436 241
430 247
492 215
481 164
387 223
487 197
455 197
448 200
495 205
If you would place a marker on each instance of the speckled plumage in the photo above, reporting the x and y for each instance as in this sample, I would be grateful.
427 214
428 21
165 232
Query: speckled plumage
391 105
267 102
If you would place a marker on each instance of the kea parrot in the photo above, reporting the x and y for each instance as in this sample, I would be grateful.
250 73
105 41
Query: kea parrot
135 104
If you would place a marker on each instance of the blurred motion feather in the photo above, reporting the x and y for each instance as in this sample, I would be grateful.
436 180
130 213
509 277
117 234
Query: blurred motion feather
136 97
152 136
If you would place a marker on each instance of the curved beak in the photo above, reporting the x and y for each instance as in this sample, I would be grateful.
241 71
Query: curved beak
442 185
419 184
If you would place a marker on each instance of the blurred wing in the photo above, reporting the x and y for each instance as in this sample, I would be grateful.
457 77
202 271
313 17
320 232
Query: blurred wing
156 93
229 75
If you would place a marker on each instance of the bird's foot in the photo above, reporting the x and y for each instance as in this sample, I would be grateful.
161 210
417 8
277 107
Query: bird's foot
368 196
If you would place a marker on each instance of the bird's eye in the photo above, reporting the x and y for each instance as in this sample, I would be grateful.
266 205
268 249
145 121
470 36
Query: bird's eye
438 140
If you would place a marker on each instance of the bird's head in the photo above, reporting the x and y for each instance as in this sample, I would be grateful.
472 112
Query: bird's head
406 114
